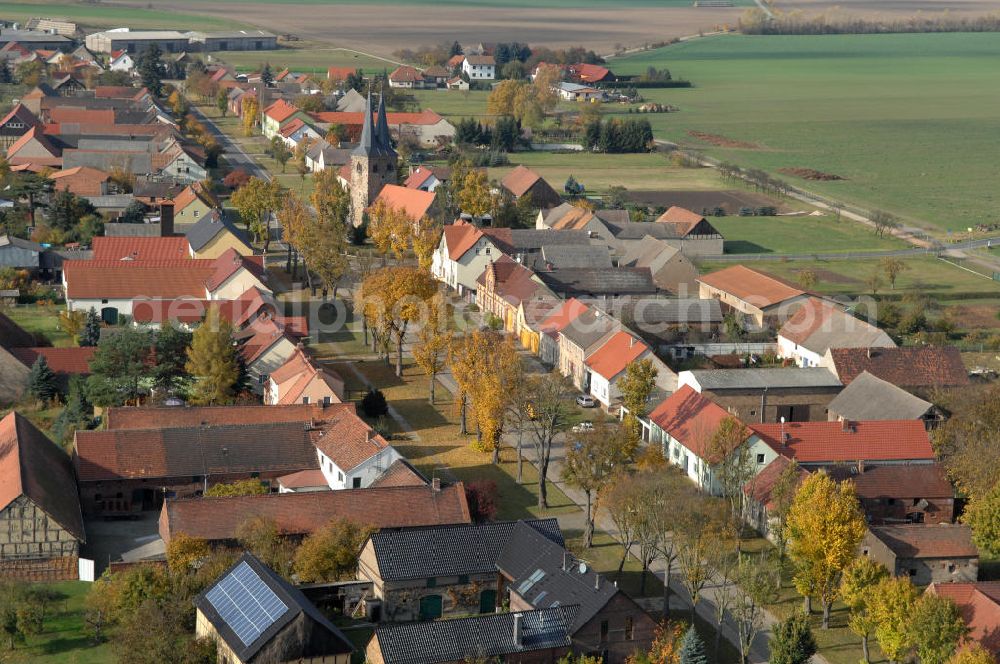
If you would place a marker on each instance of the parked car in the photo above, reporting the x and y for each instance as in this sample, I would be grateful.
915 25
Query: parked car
586 401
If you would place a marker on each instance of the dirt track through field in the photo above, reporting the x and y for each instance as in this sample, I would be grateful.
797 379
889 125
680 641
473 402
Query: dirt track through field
889 9
381 29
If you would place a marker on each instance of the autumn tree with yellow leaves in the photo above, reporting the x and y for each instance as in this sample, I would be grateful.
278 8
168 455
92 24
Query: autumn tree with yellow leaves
487 368
389 228
394 298
430 352
824 528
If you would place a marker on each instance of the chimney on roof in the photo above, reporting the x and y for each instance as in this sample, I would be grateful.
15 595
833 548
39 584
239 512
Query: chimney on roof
847 426
166 218
567 559
597 581
861 466
436 485
517 630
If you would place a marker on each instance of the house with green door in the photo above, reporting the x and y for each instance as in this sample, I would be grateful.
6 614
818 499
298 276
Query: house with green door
427 572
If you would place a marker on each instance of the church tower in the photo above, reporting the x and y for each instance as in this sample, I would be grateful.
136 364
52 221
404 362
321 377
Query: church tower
373 162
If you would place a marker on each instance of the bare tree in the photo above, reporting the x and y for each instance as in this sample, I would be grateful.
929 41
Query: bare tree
755 576
884 222
619 499
592 460
549 398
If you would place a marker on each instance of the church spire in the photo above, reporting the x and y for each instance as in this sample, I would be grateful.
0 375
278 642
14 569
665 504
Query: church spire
368 144
382 128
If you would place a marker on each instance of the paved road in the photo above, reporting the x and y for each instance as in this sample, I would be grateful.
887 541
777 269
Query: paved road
232 152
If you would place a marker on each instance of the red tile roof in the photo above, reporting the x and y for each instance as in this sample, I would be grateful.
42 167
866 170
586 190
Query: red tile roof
421 174
405 74
193 451
298 372
181 310
679 215
304 479
590 73
832 442
191 416
414 202
918 540
228 263
757 288
190 194
761 488
60 360
140 248
280 110
349 441
74 115
126 280
566 313
216 519
689 418
32 465
520 180
400 473
460 237
924 480
36 133
912 366
512 282
979 604
81 180
617 353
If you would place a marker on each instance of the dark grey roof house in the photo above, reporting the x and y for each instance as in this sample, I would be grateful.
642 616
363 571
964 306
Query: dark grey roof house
426 572
540 574
256 616
545 634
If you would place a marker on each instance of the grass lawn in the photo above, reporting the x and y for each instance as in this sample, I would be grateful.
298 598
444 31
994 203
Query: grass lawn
908 119
928 275
454 104
804 234
109 16
304 60
40 320
598 172
66 639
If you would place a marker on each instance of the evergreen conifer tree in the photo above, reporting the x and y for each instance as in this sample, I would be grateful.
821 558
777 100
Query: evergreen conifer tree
212 361
91 329
692 648
42 380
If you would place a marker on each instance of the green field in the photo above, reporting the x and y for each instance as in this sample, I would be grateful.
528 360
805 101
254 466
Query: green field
501 4
597 172
65 639
114 16
791 235
909 119
304 60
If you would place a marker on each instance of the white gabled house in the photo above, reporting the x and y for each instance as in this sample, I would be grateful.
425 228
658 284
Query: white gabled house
479 67
121 61
608 363
683 425
818 325
461 256
351 454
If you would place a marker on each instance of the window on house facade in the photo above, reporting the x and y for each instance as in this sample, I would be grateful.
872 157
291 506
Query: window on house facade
629 628
604 630
340 475
356 483
305 400
760 458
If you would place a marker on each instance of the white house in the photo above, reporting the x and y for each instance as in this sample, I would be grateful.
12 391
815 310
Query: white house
121 61
577 92
461 256
608 363
817 326
265 348
479 67
684 424
351 454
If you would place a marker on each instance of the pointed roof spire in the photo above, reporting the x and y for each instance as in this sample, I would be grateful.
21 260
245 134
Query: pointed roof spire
368 143
382 127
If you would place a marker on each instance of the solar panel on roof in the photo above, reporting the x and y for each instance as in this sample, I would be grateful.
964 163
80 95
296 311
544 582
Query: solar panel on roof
245 603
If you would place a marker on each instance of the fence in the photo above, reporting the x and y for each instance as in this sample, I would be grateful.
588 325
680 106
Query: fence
685 351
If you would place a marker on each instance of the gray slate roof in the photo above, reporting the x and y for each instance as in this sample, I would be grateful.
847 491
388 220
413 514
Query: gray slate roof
636 230
545 575
599 281
422 552
209 226
589 328
648 312
756 379
871 398
28 245
489 635
292 598
576 256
